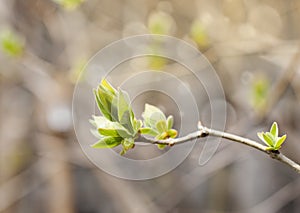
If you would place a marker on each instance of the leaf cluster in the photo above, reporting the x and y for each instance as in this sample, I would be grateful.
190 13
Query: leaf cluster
271 138
156 124
118 124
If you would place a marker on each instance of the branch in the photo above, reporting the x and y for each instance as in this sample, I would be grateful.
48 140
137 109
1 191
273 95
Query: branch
204 132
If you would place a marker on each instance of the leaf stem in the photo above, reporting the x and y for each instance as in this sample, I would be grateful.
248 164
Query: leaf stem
204 132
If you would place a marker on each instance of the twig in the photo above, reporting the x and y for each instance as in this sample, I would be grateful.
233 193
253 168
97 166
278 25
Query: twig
204 132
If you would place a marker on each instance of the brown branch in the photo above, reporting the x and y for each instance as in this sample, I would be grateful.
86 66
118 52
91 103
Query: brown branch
204 132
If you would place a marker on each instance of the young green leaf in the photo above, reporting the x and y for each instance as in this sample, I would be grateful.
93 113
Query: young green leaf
121 132
108 86
162 136
107 142
123 107
118 124
172 133
137 124
161 126
105 96
161 146
271 138
268 141
127 144
274 130
125 113
106 99
152 115
108 128
260 135
101 107
157 125
280 142
170 122
148 131
269 134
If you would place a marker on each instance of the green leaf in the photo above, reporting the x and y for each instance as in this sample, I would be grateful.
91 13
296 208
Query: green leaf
104 104
274 130
101 107
118 124
123 106
172 133
162 136
161 126
272 137
106 99
114 132
105 96
268 141
108 102
260 135
114 109
148 131
107 142
108 128
125 113
170 122
270 148
100 121
152 115
280 142
127 144
161 146
108 86
99 104
137 124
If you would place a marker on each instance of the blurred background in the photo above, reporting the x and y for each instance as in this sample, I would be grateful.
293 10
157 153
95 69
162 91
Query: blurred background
254 48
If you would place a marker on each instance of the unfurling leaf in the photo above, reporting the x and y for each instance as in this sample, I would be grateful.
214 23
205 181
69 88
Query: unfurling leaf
170 121
152 115
274 129
127 144
267 139
271 138
280 141
107 142
118 124
157 125
161 146
148 131
161 126
172 133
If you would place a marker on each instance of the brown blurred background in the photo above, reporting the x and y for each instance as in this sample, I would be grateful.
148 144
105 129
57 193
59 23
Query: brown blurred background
253 46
